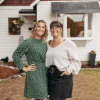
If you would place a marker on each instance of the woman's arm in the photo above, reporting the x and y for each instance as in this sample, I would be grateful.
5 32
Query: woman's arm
75 64
19 52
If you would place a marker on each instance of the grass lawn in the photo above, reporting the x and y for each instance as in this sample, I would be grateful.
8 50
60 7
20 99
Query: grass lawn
86 86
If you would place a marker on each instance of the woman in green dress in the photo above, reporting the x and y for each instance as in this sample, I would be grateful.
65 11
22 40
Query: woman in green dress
36 73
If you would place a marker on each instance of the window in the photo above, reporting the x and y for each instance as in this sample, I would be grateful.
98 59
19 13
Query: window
78 25
75 25
14 28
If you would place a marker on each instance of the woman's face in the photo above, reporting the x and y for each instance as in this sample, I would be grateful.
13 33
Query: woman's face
40 30
56 31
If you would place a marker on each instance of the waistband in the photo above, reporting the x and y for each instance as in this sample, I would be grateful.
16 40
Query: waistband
53 69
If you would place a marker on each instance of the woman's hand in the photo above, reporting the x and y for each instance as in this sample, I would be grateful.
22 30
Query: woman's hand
65 72
29 68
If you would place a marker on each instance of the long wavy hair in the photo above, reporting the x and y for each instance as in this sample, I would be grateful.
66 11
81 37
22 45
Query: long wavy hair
44 36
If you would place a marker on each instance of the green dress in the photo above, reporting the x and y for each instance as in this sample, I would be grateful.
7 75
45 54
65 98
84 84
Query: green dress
35 82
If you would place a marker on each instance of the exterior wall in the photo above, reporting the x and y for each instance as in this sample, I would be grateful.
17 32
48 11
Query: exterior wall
8 43
17 2
44 12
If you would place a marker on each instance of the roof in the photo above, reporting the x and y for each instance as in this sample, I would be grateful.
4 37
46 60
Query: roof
70 0
16 2
29 2
75 7
27 11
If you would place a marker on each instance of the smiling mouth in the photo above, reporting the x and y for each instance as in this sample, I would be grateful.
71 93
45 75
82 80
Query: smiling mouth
55 33
40 32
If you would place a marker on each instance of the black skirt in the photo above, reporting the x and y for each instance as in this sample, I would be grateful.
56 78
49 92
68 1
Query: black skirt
59 87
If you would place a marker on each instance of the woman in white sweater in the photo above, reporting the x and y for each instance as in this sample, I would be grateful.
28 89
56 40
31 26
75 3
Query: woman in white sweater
62 61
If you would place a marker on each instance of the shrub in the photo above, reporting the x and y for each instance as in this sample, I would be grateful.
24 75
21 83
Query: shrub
19 20
98 63
92 52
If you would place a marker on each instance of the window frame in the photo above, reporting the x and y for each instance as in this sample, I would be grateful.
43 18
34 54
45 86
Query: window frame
85 28
8 26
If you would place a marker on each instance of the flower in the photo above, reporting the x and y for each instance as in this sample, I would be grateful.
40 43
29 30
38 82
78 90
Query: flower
92 52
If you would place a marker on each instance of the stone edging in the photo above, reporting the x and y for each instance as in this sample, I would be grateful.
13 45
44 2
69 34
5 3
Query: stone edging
14 76
9 67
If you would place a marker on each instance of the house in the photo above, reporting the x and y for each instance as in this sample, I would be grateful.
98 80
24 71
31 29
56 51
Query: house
80 19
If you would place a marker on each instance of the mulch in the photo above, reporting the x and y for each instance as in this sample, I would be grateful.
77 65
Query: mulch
7 72
87 66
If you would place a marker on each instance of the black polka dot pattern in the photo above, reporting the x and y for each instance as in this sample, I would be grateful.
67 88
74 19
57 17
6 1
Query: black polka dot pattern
35 82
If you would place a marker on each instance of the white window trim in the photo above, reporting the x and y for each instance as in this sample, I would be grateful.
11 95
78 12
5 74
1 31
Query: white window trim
85 29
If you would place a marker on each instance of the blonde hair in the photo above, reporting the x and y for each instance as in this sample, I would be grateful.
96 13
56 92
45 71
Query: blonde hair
44 36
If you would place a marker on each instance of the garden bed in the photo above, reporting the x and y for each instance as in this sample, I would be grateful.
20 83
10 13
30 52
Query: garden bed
87 66
7 72
8 69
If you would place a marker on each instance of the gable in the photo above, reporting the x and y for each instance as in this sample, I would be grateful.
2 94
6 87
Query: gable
16 2
1 1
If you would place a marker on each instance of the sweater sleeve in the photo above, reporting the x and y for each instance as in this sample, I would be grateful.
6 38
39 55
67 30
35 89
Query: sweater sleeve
75 64
19 52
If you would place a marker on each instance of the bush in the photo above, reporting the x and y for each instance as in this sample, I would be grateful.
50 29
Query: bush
98 63
19 20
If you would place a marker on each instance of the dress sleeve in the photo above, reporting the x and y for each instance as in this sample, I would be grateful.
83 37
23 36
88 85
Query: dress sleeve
75 64
19 52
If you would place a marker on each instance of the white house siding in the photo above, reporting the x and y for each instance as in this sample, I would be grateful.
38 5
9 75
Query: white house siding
8 43
44 12
92 44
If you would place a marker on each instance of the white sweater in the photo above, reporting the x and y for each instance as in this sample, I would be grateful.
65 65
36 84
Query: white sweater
64 57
